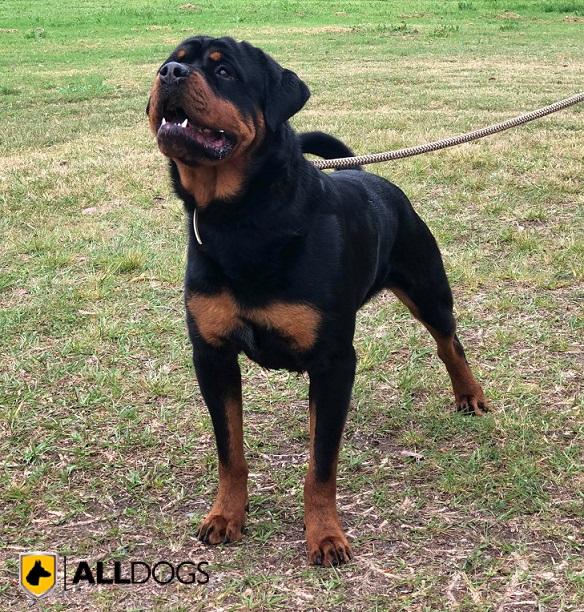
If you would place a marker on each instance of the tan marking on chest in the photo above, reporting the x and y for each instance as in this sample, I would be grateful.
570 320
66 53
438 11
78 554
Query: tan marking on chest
299 322
217 316
207 183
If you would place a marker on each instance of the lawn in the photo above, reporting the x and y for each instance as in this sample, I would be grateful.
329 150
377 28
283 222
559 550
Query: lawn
107 450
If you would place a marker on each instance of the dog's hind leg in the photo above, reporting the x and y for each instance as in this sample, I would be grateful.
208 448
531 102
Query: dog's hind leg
418 279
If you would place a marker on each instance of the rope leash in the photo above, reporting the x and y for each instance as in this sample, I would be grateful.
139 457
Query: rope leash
373 158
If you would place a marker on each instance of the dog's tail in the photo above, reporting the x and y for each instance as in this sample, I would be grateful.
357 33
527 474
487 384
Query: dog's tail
325 145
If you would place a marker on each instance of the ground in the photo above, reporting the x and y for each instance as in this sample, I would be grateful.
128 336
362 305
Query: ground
107 451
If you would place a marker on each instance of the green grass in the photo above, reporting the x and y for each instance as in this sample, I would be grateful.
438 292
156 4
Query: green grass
107 451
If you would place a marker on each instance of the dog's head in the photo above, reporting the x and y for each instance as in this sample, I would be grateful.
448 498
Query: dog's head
214 99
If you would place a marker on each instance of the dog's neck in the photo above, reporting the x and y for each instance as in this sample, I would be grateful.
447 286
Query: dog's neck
246 236
222 191
212 183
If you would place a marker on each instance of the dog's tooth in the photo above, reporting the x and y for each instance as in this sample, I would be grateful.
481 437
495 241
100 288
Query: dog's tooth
163 120
184 123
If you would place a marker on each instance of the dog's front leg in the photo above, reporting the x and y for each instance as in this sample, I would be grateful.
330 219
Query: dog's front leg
330 394
220 383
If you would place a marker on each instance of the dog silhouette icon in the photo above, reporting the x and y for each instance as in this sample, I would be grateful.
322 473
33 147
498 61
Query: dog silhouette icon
36 573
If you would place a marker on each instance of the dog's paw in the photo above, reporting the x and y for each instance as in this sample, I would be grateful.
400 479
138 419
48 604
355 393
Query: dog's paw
472 403
220 529
329 549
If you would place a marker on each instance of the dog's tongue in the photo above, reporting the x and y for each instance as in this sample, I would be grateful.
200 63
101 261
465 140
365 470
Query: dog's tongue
208 137
215 139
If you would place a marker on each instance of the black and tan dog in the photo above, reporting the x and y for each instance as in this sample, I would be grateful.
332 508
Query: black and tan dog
280 258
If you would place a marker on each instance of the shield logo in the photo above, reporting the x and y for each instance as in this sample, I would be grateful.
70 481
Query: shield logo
37 573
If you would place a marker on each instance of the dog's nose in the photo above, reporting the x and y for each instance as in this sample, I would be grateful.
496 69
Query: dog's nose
173 72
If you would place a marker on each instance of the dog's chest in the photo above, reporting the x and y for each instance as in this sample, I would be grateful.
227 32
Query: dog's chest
220 317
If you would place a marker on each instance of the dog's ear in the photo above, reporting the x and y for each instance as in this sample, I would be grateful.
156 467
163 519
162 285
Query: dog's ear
286 94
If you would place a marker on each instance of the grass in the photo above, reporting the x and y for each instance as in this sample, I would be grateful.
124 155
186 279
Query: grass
107 451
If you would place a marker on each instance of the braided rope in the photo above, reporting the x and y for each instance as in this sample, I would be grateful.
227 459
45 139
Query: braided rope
360 160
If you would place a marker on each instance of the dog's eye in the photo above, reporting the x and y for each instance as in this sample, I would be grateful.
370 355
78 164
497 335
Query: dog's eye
223 72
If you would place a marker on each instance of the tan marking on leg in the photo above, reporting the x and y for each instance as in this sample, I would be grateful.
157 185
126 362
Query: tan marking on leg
226 519
405 300
467 391
216 315
326 541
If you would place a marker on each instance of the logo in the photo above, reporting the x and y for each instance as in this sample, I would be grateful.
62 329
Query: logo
37 573
139 572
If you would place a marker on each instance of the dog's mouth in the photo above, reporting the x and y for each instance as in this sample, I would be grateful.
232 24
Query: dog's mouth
178 134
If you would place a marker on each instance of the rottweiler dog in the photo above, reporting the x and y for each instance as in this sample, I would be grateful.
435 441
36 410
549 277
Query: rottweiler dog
280 258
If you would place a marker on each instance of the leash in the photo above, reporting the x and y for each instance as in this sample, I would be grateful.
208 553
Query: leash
373 158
